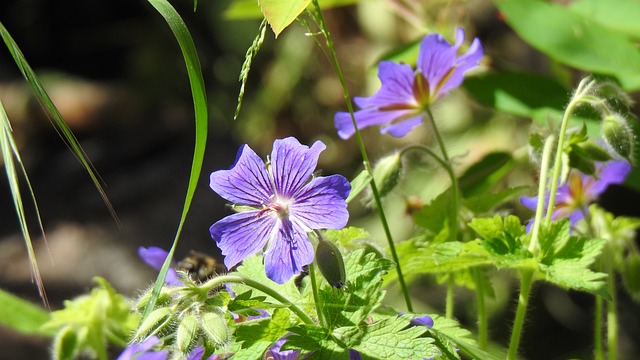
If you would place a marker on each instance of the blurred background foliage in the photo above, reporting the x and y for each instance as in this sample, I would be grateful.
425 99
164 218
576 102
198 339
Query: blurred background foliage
115 72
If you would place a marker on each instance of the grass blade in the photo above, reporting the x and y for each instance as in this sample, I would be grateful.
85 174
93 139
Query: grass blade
22 316
190 55
9 150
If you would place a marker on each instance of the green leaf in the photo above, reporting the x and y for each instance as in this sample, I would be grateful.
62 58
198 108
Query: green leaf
281 13
316 343
364 279
449 333
392 338
486 202
250 9
623 17
518 93
254 337
21 315
483 175
188 48
574 40
434 215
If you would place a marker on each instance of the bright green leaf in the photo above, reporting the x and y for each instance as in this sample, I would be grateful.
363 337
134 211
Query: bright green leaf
281 13
21 315
621 17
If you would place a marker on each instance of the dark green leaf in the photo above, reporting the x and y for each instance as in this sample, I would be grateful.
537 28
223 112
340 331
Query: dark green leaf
485 202
483 175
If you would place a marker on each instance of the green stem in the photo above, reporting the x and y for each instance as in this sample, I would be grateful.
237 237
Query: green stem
581 92
224 279
597 324
526 281
612 315
544 170
316 295
455 191
483 326
367 165
450 292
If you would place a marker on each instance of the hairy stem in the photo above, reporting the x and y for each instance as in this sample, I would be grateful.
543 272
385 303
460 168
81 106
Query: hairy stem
483 326
526 281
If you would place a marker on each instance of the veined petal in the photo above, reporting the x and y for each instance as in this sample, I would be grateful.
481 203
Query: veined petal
242 234
402 127
396 87
246 183
365 118
292 164
461 65
435 59
321 203
289 250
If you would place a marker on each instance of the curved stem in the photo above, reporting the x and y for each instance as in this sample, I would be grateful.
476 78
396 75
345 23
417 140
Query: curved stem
367 165
526 281
577 98
546 154
224 279
316 295
455 191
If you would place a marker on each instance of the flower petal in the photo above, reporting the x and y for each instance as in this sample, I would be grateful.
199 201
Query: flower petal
289 250
155 257
612 172
529 201
246 183
292 164
436 58
402 127
242 234
396 87
461 65
321 203
365 118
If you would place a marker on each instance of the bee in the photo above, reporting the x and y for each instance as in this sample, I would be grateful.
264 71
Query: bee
200 267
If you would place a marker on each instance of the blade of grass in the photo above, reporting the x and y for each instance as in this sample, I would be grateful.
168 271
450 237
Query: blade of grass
55 117
190 55
9 150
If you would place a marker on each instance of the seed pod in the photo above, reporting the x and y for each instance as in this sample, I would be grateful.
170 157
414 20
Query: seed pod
186 334
215 328
618 134
330 263
156 321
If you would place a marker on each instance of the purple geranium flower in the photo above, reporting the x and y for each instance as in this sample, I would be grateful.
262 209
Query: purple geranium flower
198 352
142 351
155 257
400 103
274 352
574 197
280 203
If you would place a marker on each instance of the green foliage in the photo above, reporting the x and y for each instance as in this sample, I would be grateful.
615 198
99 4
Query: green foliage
249 9
358 184
622 18
484 174
254 337
21 315
90 322
455 338
433 216
574 39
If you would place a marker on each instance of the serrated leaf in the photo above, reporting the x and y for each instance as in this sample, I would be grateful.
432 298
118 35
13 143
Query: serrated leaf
254 337
574 40
281 13
456 338
392 338
434 215
347 235
316 342
364 279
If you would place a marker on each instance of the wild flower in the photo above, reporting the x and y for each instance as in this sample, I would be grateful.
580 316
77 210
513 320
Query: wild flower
405 93
155 257
279 202
143 351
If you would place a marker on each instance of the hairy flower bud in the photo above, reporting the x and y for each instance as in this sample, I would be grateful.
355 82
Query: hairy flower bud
155 322
215 328
386 173
618 134
187 332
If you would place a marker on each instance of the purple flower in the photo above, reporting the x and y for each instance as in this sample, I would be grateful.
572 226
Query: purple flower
280 203
424 320
276 354
155 257
400 103
574 197
142 351
198 352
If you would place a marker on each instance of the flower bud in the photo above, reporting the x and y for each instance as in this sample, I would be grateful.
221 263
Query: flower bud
631 275
330 263
187 332
215 328
386 173
157 320
618 134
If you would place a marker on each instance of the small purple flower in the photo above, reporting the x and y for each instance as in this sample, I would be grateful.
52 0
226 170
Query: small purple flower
280 203
400 103
274 352
142 351
424 320
198 352
155 257
574 196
